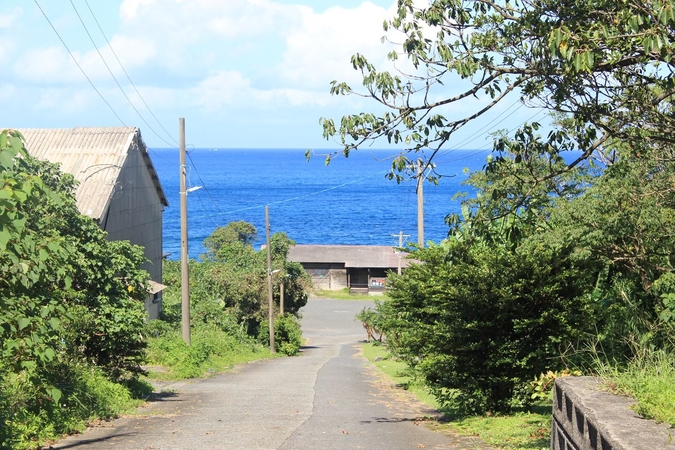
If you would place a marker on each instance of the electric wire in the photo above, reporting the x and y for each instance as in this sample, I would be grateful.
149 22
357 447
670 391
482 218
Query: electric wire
299 197
129 78
202 182
189 184
79 66
113 75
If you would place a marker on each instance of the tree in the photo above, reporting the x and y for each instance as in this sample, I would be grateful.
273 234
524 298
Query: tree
603 67
238 235
234 277
491 307
551 252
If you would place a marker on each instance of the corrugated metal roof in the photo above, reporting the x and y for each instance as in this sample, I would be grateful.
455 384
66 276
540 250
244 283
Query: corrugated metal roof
94 156
356 256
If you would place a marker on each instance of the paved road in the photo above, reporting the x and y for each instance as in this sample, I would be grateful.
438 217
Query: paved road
330 397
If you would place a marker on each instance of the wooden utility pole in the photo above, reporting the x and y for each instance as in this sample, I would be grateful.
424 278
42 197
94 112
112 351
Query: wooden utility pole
400 244
269 279
420 203
399 253
281 295
185 279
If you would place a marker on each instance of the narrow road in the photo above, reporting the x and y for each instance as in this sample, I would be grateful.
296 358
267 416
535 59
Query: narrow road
330 397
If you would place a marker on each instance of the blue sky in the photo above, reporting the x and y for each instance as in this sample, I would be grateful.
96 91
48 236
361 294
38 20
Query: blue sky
243 73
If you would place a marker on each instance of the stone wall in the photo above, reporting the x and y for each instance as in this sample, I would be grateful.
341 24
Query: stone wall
586 418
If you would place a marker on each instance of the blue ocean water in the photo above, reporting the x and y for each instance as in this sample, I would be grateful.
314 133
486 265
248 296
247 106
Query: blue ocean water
347 202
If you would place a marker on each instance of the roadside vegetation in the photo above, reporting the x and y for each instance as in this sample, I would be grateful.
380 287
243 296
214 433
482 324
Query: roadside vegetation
229 307
562 261
526 429
73 331
343 294
72 308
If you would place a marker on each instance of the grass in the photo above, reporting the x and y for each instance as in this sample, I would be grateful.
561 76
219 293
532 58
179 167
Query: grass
529 430
343 294
211 351
649 378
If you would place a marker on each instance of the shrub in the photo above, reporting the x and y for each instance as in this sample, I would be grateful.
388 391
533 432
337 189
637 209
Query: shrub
212 349
30 418
287 334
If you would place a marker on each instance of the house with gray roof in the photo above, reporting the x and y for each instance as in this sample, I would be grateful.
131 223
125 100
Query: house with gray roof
118 187
361 268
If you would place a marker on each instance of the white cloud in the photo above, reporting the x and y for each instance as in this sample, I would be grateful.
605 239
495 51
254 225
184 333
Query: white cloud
131 50
222 90
46 64
10 17
67 101
319 51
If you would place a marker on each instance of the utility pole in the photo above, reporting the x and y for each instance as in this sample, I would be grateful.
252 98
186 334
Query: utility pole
185 279
269 279
281 295
400 245
420 204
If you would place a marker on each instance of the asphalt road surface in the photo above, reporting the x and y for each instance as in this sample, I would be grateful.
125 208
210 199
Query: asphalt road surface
330 397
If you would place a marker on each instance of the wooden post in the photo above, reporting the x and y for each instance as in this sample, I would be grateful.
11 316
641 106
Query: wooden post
185 279
269 280
400 252
281 296
420 204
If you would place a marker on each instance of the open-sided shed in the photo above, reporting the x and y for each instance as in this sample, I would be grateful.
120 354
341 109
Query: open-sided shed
361 268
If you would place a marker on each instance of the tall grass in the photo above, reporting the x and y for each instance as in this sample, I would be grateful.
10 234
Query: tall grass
649 377
212 350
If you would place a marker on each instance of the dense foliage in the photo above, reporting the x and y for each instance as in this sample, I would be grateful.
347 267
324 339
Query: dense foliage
503 300
559 251
229 298
71 303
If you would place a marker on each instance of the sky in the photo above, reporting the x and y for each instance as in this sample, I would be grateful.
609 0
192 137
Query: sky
243 73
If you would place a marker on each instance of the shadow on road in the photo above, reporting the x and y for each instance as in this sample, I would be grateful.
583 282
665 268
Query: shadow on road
161 396
84 443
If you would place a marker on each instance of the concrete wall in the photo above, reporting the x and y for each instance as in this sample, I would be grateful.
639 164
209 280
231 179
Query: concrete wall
586 418
135 215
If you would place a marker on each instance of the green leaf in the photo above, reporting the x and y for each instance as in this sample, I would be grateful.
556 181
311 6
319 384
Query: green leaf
55 323
49 354
55 394
23 322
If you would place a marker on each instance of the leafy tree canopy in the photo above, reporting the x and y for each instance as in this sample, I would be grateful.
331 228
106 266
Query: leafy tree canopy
233 277
238 235
603 67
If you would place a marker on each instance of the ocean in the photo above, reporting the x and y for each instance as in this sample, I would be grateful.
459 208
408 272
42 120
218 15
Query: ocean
347 202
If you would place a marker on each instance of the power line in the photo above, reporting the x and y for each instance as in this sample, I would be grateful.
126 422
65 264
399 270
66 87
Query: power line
299 197
202 181
78 65
199 197
129 78
113 75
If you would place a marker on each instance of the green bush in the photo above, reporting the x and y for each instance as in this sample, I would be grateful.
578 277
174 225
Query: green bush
287 335
212 349
649 377
30 417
